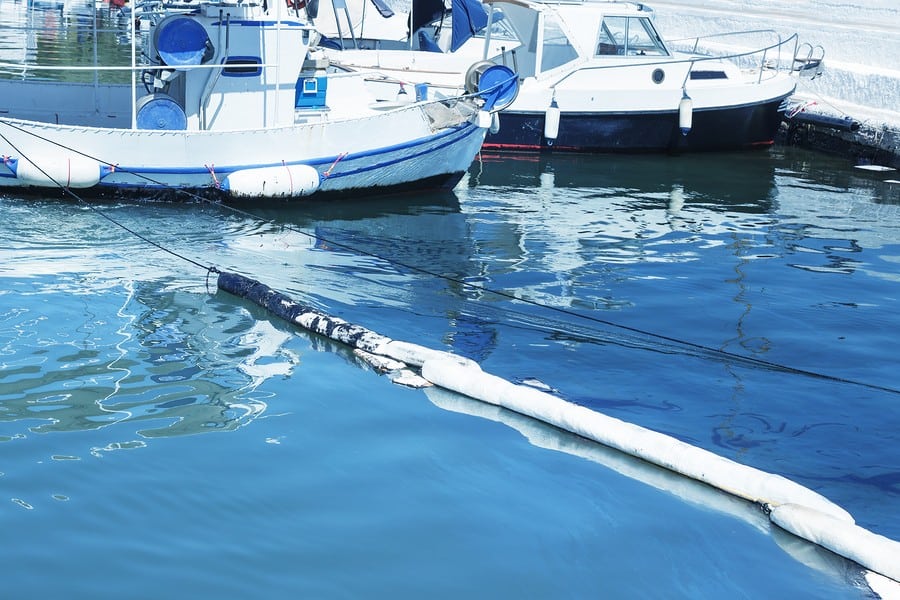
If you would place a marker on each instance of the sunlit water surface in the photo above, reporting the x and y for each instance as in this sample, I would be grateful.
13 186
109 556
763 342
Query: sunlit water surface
161 438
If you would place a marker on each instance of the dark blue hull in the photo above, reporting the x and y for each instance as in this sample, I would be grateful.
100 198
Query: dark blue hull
731 128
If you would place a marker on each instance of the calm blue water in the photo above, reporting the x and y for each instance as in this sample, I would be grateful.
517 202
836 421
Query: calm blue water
63 32
160 438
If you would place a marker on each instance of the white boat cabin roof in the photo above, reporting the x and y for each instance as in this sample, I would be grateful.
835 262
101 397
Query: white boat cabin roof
543 35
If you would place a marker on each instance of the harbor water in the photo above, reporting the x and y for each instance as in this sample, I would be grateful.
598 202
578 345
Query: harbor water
161 438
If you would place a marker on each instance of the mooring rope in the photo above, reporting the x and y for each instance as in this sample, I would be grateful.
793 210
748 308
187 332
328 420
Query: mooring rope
69 192
678 342
701 348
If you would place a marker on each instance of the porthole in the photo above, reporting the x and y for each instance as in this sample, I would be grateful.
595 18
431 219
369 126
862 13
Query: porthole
658 75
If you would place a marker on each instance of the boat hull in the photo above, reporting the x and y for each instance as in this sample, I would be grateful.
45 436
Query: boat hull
159 163
725 128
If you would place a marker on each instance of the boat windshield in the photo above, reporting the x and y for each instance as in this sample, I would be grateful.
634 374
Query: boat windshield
629 36
500 26
557 49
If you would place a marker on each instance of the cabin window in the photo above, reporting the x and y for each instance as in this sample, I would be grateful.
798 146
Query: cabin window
514 31
629 36
557 49
699 74
501 29
242 66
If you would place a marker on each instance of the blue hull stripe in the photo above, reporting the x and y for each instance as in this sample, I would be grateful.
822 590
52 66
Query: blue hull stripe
463 133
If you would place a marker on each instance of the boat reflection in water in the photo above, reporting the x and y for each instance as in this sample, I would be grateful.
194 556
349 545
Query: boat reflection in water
576 221
99 334
623 208
744 182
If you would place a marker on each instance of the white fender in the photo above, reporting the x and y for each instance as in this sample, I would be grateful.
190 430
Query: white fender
284 181
551 121
74 171
685 114
495 122
483 119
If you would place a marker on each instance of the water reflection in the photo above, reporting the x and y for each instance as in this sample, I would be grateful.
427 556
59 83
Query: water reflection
622 209
836 174
688 490
579 221
170 358
163 366
77 32
741 182
408 252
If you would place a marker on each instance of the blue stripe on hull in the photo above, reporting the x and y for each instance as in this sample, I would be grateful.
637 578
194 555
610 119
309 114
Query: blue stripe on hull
721 129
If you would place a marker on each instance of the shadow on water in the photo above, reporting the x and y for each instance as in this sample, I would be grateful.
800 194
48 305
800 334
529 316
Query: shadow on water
307 212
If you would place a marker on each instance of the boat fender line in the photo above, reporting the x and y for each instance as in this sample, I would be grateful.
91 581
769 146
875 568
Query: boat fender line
283 181
876 552
67 171
327 172
789 505
551 121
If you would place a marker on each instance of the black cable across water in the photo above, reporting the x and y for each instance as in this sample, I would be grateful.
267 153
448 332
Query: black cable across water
569 313
68 191
725 354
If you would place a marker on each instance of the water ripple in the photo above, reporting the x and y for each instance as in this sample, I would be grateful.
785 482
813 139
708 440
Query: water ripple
165 369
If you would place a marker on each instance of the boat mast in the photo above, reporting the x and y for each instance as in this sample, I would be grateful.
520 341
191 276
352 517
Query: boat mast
133 69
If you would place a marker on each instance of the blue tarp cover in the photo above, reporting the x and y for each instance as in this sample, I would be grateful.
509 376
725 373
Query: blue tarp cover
469 17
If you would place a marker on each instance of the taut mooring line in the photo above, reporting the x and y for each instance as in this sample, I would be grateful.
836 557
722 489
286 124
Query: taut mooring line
68 191
708 350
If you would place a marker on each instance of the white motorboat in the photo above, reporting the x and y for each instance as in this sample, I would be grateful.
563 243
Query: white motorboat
595 76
